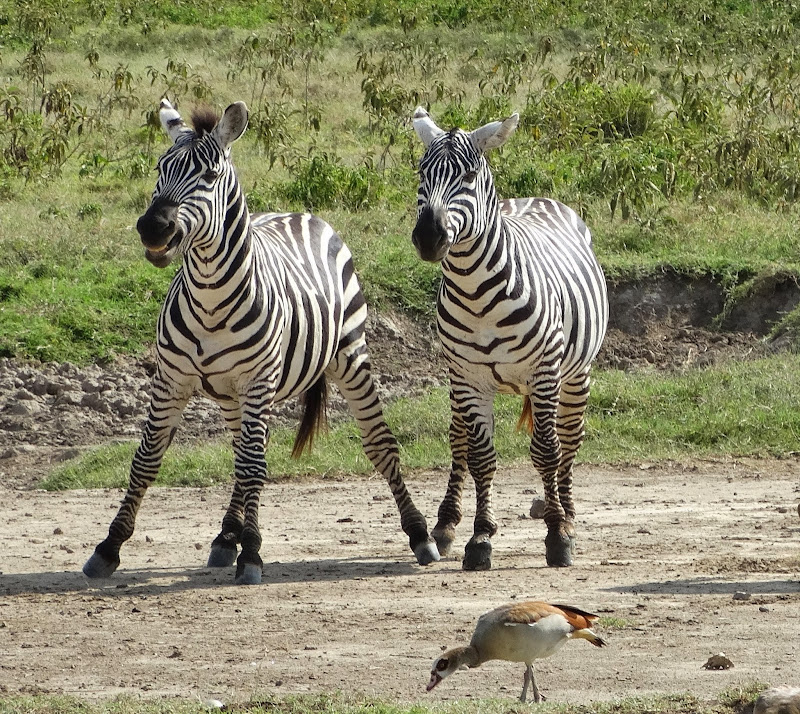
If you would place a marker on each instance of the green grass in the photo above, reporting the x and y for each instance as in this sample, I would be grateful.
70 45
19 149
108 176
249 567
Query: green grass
729 701
703 175
631 417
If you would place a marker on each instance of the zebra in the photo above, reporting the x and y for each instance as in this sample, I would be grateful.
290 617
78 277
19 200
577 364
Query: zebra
522 309
264 307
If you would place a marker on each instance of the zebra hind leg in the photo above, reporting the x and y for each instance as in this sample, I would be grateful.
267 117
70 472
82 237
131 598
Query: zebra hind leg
352 374
546 455
251 474
570 425
224 547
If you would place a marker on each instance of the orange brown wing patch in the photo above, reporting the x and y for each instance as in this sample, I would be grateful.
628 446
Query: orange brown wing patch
579 619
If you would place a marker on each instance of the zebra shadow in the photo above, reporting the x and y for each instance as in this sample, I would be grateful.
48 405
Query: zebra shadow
141 581
709 586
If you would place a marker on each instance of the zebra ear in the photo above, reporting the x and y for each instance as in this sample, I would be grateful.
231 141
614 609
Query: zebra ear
425 127
494 134
232 124
171 120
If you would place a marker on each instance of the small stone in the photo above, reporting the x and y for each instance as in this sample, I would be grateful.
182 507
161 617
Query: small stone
741 595
57 531
763 608
537 508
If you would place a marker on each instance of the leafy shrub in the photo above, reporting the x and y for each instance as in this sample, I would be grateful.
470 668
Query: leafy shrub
571 113
323 182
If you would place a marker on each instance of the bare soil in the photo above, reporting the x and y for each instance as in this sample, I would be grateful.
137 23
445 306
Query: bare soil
682 560
688 559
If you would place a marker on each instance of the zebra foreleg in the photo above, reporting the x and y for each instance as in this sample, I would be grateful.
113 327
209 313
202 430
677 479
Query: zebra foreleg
224 546
156 438
482 461
251 473
449 514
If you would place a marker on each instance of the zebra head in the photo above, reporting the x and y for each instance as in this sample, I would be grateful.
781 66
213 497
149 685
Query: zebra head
194 177
456 189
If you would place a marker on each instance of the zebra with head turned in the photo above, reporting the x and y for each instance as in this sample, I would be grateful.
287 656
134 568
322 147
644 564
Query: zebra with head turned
263 308
522 309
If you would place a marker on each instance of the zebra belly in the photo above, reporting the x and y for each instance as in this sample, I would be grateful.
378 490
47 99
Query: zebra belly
499 373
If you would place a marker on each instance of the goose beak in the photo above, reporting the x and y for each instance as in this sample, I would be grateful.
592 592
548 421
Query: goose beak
435 679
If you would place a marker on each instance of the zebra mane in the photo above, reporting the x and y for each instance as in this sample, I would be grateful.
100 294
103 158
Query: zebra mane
204 119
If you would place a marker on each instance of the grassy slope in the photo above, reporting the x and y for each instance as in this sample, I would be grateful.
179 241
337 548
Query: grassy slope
607 110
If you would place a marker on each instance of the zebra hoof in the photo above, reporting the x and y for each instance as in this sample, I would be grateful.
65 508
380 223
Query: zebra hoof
444 538
248 574
98 567
478 553
427 552
559 549
221 557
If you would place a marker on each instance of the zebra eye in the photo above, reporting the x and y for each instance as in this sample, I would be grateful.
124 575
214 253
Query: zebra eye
470 176
210 176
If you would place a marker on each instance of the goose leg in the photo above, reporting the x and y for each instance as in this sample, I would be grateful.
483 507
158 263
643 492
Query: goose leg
529 680
525 681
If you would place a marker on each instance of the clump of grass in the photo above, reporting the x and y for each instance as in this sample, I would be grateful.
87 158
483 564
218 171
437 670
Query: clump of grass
728 702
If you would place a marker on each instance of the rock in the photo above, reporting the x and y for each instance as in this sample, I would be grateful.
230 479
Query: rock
68 399
95 401
537 508
778 700
741 595
24 408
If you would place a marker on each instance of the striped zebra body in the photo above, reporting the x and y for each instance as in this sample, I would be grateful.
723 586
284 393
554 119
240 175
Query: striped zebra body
265 307
522 309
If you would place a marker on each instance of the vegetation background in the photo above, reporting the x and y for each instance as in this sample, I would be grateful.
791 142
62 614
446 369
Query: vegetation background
671 126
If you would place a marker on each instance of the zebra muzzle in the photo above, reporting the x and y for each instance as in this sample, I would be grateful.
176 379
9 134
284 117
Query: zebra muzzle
159 231
430 236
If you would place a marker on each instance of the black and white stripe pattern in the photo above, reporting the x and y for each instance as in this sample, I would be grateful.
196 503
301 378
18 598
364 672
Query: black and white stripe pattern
522 309
263 309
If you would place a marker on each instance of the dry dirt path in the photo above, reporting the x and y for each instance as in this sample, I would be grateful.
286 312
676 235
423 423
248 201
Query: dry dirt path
665 549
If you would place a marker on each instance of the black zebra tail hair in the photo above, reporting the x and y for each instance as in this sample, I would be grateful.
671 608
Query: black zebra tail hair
315 416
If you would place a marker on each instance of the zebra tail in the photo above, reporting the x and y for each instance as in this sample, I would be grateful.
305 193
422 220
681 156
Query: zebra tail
315 408
525 421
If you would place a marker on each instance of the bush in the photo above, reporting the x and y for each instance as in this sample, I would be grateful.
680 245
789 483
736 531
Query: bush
571 113
323 182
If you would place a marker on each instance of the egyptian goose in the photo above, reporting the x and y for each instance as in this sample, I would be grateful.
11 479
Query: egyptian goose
518 632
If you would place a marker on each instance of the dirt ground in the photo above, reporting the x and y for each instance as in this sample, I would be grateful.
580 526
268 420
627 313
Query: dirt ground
683 560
